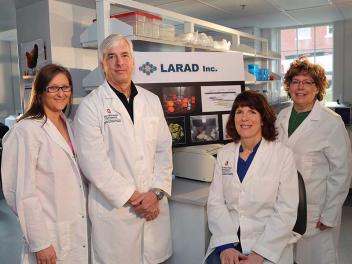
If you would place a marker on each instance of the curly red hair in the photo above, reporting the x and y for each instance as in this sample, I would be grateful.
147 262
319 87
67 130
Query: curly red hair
315 71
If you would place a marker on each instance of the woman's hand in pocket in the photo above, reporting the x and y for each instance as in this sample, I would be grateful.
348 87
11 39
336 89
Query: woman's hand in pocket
46 256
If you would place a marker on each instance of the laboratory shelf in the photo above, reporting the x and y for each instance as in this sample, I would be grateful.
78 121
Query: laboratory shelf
93 44
254 49
89 40
105 25
260 82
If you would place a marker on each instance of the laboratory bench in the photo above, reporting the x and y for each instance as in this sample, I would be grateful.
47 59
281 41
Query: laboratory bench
189 224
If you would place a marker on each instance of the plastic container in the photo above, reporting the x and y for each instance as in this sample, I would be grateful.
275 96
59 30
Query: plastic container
223 44
254 69
263 74
156 28
204 40
167 32
144 24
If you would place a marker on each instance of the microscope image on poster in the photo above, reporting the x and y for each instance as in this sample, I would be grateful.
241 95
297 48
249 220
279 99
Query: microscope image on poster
204 128
177 129
179 100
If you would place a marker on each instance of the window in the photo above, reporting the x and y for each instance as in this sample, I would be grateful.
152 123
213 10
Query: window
329 30
304 33
318 47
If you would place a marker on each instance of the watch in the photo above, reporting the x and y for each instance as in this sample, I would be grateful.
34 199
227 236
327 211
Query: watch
158 193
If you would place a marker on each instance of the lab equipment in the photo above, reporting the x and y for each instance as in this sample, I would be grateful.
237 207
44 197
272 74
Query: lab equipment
195 162
343 109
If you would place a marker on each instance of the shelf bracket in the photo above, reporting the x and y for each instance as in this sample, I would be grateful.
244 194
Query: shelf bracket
188 27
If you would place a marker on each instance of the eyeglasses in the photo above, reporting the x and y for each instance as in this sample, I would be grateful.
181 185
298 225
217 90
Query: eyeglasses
304 82
55 89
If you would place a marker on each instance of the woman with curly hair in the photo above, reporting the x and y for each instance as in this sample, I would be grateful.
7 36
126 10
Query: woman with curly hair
252 204
322 151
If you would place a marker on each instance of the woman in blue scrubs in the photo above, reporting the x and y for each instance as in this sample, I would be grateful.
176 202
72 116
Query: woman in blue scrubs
253 199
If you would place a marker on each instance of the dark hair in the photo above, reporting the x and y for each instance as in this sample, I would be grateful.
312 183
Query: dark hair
315 71
257 101
45 75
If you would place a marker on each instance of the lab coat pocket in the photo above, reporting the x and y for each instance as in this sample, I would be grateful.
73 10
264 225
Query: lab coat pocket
313 215
61 238
150 129
304 165
263 191
231 191
99 206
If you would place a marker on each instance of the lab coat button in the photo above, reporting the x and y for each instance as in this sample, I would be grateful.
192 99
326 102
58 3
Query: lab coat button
82 216
84 246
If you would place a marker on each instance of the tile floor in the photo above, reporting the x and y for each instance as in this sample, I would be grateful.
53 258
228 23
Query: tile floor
345 244
10 235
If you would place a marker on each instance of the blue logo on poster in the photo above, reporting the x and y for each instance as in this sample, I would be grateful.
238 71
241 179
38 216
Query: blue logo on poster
147 68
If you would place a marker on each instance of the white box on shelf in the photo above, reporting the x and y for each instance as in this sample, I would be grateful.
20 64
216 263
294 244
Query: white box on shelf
167 32
144 24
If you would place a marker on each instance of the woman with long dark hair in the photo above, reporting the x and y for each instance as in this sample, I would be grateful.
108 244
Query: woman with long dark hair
41 180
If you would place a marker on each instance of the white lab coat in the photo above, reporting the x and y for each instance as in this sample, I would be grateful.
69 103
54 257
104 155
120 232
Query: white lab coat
43 186
322 152
264 205
118 157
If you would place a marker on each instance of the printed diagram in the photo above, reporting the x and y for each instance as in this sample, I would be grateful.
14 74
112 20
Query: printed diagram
218 98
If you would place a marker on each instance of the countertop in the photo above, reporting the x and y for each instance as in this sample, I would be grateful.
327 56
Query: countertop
189 191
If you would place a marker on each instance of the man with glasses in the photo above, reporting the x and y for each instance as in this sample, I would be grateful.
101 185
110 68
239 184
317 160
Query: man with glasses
322 151
124 150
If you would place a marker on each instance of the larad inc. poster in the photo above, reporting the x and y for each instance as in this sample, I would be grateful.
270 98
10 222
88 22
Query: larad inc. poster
196 91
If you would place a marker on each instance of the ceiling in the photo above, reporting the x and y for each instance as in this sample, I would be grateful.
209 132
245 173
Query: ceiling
231 13
261 13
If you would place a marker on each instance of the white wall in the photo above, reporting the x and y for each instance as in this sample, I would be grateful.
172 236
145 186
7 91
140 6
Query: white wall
343 60
59 24
347 70
9 80
32 24
15 76
6 91
67 22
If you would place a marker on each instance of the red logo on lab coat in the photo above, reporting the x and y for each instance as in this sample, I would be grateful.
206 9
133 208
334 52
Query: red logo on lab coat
226 163
108 110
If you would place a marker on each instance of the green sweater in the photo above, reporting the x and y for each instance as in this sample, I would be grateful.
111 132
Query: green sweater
295 120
